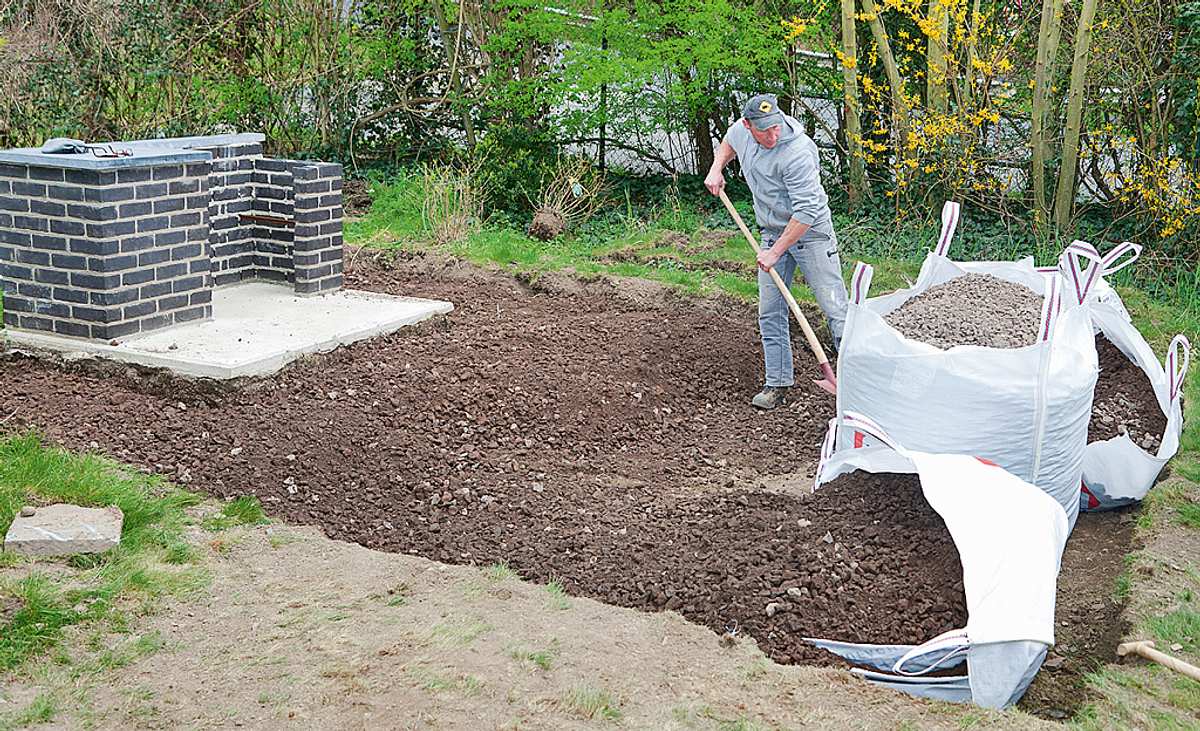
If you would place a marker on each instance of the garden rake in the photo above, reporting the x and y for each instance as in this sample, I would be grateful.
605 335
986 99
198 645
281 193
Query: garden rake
829 382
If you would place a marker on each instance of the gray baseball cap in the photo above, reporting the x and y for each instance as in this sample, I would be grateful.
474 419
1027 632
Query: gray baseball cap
762 111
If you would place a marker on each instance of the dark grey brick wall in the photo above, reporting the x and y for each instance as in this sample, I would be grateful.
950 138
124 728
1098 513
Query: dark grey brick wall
317 247
273 200
231 185
104 254
253 220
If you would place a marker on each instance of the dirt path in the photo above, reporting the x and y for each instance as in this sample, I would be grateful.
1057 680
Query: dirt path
595 434
1090 623
302 632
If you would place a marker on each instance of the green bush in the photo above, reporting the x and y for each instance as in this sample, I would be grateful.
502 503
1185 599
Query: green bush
512 162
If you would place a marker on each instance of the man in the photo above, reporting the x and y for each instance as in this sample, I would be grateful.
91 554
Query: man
781 166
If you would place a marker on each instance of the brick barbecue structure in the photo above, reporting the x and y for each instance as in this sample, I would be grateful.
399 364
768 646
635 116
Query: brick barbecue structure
106 247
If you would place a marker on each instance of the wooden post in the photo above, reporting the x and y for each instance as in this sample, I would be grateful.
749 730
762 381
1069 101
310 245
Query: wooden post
1048 35
853 130
1065 194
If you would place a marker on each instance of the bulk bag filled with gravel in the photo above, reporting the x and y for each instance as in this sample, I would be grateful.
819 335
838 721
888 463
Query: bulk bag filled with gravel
1137 419
1010 537
1020 395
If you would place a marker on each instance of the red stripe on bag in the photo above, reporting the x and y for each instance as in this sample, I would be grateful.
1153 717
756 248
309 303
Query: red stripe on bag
858 440
858 296
952 224
987 462
1092 501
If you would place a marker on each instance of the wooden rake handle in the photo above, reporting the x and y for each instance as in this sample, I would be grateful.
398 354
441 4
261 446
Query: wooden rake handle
809 335
1146 649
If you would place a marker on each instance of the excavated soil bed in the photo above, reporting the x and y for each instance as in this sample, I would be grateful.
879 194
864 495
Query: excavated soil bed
1125 402
594 433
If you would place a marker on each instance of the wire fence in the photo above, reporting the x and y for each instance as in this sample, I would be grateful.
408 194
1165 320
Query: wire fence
672 151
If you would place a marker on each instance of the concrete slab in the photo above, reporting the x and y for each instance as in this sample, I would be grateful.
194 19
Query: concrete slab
139 157
143 152
256 329
61 529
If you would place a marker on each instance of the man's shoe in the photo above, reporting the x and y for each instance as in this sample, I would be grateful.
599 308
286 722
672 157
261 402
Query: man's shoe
770 397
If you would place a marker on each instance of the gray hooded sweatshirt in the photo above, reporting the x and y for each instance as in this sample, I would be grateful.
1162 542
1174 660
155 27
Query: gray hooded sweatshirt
785 180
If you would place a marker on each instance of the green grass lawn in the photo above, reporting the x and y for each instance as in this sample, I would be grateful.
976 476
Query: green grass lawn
152 559
74 617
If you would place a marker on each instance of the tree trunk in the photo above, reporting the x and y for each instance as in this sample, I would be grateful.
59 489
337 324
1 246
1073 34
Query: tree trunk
702 139
697 115
935 58
1048 34
452 47
1065 194
899 103
968 89
853 125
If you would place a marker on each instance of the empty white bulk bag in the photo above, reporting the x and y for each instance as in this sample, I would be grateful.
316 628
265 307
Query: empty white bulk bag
1010 537
1102 293
1116 471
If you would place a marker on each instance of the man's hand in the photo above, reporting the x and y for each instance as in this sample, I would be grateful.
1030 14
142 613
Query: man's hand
767 258
715 182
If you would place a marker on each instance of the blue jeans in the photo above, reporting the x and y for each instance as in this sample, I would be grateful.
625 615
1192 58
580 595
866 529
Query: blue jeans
817 256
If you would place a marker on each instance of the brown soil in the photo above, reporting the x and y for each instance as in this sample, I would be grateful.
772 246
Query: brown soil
356 196
1089 625
546 225
713 240
703 241
825 563
1124 401
974 309
597 434
674 239
637 256
9 606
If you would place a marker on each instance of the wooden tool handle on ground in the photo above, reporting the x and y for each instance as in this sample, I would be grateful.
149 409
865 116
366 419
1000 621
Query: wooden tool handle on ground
809 335
1146 649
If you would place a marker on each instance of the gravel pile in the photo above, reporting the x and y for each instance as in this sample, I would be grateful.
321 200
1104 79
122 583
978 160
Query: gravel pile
974 309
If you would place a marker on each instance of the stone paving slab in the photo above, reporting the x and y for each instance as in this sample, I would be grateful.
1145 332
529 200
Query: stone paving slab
61 529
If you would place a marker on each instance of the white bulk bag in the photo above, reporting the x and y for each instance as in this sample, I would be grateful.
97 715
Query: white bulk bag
1010 537
1101 292
1117 471
1026 409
